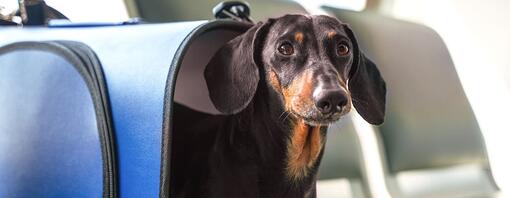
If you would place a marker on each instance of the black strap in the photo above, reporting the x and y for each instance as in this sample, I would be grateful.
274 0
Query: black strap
236 10
37 12
7 23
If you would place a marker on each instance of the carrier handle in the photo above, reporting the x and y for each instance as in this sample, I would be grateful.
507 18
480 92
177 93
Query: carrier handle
37 12
236 10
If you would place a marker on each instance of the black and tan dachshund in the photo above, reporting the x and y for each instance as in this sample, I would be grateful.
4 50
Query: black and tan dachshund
280 85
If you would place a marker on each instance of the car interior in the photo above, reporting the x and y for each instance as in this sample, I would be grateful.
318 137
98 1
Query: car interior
431 144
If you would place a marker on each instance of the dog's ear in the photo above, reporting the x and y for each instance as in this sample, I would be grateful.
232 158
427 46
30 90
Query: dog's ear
367 87
232 75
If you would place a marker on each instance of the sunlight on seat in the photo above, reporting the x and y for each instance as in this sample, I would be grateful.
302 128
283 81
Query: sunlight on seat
91 10
334 188
456 181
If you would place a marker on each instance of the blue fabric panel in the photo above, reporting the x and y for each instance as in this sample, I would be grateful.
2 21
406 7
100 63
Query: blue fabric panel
136 61
49 140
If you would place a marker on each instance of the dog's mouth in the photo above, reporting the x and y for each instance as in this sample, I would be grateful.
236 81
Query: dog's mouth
313 118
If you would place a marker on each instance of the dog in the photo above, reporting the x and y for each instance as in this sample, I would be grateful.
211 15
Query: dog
278 86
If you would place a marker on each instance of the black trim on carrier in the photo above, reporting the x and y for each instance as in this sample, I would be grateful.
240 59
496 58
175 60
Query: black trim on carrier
166 176
86 62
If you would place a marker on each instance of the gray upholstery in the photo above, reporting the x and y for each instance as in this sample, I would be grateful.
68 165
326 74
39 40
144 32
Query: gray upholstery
191 89
189 10
429 125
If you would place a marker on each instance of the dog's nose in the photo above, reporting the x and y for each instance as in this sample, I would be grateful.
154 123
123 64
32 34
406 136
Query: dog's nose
330 101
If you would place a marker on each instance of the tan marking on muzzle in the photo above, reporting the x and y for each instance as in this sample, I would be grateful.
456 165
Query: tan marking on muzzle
299 37
273 81
331 34
298 95
303 149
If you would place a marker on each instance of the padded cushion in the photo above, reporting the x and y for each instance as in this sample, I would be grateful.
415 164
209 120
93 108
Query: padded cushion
53 123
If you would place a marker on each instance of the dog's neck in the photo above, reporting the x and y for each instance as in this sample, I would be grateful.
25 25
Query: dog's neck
282 140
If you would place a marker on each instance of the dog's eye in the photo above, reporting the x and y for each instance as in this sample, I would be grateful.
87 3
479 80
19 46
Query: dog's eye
342 49
286 49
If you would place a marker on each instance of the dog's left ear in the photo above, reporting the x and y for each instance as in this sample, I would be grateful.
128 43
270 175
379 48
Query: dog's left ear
367 87
232 75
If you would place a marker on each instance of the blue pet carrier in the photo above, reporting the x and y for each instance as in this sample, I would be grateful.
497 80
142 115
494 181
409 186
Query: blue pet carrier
86 111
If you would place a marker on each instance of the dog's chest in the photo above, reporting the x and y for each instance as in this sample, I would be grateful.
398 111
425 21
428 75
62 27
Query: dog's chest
238 170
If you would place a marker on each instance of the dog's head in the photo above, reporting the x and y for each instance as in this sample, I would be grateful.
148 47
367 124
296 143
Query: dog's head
313 62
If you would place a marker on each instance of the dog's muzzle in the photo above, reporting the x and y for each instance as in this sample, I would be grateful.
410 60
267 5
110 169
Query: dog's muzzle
330 101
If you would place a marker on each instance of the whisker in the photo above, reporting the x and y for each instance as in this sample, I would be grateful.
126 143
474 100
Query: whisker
281 114
288 114
360 101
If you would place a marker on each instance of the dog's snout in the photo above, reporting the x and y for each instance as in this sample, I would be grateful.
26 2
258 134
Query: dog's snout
330 101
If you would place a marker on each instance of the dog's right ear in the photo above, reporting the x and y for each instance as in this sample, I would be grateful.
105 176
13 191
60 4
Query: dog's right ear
232 75
366 84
